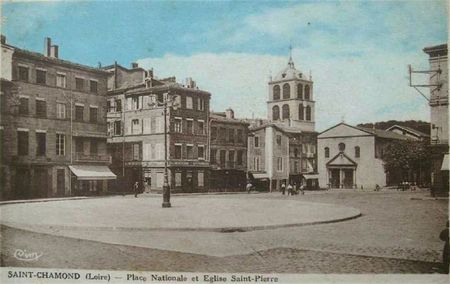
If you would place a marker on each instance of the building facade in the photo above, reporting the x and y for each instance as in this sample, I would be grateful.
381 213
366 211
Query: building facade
438 59
283 150
136 131
228 152
351 157
53 125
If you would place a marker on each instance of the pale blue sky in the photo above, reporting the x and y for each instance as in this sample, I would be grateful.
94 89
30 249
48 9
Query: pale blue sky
357 51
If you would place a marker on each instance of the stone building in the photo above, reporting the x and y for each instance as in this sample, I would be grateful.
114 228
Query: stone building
53 126
438 59
284 148
350 157
136 131
228 152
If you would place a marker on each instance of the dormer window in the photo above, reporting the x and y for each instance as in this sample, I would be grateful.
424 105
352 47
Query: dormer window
283 75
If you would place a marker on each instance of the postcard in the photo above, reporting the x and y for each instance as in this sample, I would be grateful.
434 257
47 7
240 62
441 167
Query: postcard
224 142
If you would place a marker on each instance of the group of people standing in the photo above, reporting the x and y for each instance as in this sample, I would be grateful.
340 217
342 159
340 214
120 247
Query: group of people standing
292 189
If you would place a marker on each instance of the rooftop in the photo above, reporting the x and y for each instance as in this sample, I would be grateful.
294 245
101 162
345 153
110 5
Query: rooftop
220 117
382 133
417 132
53 60
436 50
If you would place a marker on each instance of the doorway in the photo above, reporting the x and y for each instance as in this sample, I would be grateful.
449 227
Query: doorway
60 182
335 178
41 182
348 178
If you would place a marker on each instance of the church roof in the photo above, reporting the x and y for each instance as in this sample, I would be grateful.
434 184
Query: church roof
289 73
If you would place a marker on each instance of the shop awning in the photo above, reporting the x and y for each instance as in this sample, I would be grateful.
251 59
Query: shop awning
260 176
91 172
445 163
311 176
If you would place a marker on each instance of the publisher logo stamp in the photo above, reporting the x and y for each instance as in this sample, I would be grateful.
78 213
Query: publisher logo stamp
25 255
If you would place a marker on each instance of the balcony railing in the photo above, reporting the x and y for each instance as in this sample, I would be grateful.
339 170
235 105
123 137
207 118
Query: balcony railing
80 157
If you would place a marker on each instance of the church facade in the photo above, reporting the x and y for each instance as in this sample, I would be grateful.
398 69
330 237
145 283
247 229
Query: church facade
351 157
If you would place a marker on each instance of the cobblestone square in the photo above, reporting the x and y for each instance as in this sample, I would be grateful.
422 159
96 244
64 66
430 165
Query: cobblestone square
398 232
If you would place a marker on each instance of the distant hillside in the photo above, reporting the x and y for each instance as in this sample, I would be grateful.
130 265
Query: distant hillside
419 125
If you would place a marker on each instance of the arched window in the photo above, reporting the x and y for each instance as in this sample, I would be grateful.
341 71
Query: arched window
341 147
286 91
357 152
307 93
327 152
276 113
276 92
285 110
308 113
301 112
300 91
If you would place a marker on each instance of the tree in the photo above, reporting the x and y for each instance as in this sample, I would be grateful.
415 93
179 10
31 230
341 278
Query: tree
407 161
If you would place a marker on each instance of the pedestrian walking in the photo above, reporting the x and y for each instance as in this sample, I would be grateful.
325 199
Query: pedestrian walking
289 189
249 187
446 251
136 189
302 188
283 188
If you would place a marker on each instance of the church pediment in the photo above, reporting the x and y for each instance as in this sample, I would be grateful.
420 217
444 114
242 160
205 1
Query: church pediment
343 130
341 160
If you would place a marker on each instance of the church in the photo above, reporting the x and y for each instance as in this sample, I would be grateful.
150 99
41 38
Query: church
283 149
352 156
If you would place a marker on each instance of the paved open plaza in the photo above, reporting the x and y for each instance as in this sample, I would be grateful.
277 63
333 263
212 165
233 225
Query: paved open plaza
344 231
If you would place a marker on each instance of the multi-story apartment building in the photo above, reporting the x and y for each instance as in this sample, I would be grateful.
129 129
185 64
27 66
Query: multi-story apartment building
284 148
228 152
438 59
136 131
53 125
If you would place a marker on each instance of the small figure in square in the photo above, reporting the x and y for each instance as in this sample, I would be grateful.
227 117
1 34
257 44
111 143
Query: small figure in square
289 189
446 251
283 188
249 187
295 189
136 189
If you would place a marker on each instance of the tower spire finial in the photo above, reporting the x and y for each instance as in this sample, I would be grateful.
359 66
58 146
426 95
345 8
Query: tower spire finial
291 62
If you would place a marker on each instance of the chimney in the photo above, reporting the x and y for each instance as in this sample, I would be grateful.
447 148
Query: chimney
229 113
54 51
150 73
47 46
3 39
134 65
190 83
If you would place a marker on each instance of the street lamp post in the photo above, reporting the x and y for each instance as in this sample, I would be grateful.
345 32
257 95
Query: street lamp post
167 102
166 187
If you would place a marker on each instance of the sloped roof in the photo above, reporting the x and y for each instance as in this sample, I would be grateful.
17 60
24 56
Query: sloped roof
383 133
412 130
375 132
